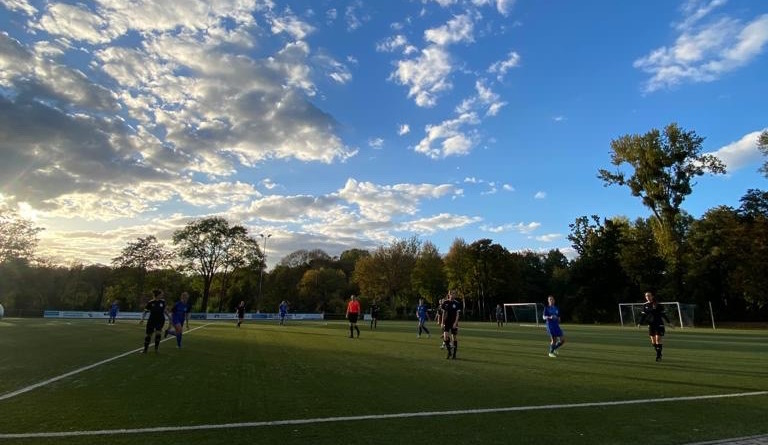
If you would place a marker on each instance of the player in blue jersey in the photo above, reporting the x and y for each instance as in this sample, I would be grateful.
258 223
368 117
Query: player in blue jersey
499 316
450 323
282 311
655 317
552 319
114 308
179 316
157 312
422 315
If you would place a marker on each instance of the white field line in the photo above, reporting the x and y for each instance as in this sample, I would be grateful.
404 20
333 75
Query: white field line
164 429
79 370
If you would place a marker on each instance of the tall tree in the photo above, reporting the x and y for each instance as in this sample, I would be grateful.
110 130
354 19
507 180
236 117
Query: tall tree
664 166
143 255
428 277
387 272
18 236
762 145
206 246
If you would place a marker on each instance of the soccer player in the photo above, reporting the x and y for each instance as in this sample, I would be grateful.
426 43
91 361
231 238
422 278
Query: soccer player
282 311
114 308
353 312
179 315
157 312
552 318
240 311
655 316
499 316
450 323
422 315
439 318
374 315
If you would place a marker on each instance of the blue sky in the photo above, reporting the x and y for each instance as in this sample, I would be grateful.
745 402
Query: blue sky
348 124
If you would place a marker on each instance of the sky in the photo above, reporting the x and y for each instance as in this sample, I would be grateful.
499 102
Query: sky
336 125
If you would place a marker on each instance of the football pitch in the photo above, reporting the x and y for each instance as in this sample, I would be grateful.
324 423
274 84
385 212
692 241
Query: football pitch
85 382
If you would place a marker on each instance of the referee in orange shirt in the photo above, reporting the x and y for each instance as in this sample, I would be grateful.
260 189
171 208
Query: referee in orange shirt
353 312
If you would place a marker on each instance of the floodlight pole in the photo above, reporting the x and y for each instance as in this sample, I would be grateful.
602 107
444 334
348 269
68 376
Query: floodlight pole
264 239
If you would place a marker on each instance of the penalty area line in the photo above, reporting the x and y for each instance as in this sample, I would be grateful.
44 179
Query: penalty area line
79 370
164 429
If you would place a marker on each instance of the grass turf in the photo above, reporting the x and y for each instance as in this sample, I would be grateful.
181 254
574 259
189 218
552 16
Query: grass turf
309 370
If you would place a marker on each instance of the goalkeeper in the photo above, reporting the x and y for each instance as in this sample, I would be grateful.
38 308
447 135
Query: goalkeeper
655 316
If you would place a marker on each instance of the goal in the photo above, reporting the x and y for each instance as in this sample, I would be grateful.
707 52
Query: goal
679 314
523 313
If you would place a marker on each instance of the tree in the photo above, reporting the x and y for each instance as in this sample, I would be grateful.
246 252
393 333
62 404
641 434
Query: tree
664 167
762 145
18 236
144 254
206 246
428 277
386 274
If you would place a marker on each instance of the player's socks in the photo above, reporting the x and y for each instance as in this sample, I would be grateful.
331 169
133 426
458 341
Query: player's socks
455 347
178 339
351 332
146 343
157 342
358 331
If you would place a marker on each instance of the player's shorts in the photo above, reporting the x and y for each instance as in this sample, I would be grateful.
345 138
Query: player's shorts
656 330
450 329
154 325
178 320
352 317
112 314
554 331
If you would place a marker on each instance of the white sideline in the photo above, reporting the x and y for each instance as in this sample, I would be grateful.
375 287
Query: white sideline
79 370
163 429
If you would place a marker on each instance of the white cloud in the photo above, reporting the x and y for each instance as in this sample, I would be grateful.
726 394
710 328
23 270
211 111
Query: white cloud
540 195
740 153
425 76
448 138
501 67
458 29
440 222
704 50
403 129
548 238
518 227
508 188
376 143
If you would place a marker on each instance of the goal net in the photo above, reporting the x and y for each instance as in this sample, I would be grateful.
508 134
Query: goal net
523 313
679 314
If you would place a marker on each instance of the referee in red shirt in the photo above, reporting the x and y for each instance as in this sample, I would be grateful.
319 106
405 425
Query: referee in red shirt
353 312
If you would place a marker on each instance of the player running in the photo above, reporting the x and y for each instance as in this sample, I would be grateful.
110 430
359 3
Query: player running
450 323
655 316
179 315
552 318
422 315
157 313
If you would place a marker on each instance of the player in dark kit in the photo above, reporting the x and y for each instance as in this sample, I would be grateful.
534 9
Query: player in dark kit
157 313
450 323
374 315
655 316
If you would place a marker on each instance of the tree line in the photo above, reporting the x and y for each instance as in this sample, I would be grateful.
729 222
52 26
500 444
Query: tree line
718 260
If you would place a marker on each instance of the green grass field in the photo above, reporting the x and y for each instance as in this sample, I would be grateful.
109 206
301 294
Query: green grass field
311 370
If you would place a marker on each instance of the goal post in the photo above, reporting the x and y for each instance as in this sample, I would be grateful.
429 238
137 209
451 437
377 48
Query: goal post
679 314
523 313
